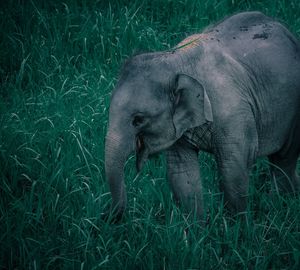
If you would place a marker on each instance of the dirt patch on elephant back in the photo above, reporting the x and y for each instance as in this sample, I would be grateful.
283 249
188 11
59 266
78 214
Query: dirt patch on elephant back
191 42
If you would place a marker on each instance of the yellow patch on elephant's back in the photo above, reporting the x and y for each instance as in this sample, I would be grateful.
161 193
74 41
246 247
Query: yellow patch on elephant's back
191 42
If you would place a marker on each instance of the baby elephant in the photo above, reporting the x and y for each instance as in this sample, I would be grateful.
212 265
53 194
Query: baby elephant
233 90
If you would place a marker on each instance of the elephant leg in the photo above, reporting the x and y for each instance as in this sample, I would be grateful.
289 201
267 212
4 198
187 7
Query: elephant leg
234 184
284 164
184 177
234 162
284 175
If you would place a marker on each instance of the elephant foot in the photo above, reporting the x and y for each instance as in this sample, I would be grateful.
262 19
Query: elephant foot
112 216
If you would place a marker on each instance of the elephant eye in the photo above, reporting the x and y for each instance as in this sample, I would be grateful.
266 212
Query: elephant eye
138 120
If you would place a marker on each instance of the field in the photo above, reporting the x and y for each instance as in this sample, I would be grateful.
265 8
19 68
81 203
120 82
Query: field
59 61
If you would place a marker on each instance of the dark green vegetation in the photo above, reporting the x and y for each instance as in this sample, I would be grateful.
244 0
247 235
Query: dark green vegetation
59 62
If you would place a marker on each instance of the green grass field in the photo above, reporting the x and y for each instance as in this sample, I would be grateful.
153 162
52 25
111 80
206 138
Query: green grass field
59 62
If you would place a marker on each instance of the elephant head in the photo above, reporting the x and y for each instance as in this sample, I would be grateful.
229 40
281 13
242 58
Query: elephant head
151 107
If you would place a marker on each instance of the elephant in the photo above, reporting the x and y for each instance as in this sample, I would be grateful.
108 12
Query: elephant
233 90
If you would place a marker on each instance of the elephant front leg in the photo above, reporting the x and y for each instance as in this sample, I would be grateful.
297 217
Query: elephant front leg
234 184
184 177
234 162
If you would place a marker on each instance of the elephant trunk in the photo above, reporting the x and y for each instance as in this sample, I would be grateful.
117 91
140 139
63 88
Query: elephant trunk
117 150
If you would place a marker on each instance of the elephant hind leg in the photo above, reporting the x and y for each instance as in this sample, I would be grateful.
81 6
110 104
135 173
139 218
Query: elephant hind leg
284 175
284 165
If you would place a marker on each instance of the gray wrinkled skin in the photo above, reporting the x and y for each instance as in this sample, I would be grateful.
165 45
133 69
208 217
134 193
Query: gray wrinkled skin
233 90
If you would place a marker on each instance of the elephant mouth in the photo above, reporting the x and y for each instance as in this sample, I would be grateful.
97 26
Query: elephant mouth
142 152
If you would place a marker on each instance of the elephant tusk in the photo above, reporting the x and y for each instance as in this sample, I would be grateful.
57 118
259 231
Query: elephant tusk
141 152
139 144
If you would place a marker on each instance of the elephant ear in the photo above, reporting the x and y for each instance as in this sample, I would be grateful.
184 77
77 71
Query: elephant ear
192 107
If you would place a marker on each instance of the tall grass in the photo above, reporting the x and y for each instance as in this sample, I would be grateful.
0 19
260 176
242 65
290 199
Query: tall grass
59 62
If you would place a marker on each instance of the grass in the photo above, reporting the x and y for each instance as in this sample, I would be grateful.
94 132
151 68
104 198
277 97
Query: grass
59 62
